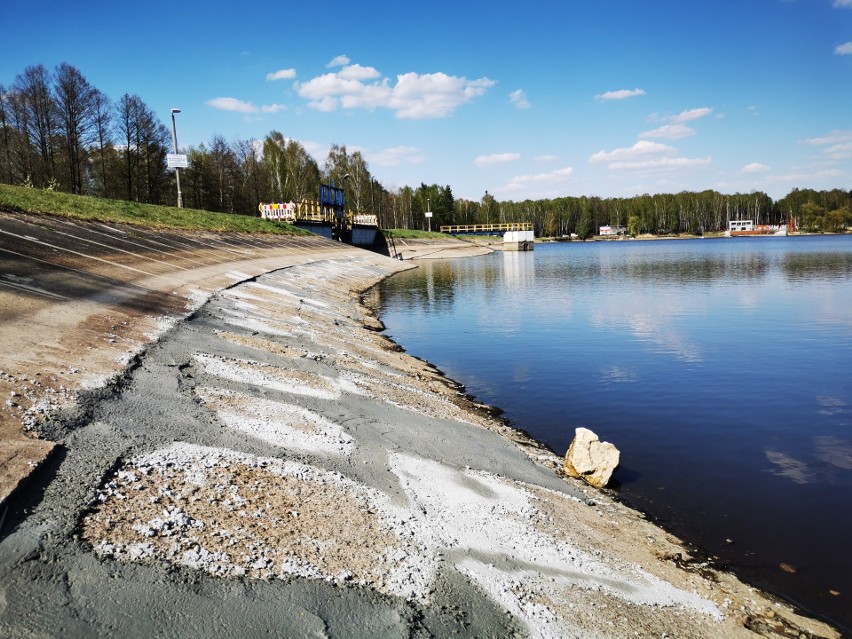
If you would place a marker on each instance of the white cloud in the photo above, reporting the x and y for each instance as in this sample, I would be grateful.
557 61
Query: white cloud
339 61
669 131
639 150
755 167
232 104
840 151
241 106
838 144
547 158
691 114
838 136
645 155
676 129
805 178
496 158
397 155
660 163
519 99
559 175
282 74
413 97
357 72
844 49
842 3
621 94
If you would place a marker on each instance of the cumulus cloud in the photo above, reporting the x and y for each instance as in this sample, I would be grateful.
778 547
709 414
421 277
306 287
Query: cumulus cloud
358 73
621 94
755 167
232 104
241 106
843 49
519 99
559 175
669 131
496 158
676 129
413 96
645 155
394 156
339 61
282 74
641 149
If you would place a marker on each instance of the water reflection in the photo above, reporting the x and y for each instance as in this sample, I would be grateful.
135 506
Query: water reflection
721 376
518 269
819 265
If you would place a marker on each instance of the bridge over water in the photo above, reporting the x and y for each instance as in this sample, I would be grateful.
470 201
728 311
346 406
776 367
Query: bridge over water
517 236
486 229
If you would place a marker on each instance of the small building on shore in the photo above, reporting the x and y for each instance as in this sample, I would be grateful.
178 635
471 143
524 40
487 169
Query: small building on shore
612 231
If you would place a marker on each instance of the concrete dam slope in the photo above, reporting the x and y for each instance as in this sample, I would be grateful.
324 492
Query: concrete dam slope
229 447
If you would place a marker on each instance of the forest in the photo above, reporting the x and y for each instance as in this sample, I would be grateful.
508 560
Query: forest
59 132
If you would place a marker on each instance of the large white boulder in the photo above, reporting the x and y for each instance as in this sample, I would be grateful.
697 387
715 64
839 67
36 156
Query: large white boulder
591 459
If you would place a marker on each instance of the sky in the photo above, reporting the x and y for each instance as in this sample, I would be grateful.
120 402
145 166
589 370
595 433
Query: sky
524 100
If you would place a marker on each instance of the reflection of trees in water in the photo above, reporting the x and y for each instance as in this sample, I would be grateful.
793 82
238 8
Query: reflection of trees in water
823 265
434 286
679 269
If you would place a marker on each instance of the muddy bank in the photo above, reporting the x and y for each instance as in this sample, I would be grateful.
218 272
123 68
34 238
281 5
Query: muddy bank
273 464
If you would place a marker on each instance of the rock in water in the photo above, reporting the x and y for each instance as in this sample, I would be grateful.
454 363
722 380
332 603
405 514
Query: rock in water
591 459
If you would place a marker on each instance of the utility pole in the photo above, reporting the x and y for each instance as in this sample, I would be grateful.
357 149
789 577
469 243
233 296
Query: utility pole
177 169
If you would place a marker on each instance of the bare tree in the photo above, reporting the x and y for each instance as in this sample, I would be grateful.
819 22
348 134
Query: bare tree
127 128
144 143
103 120
38 119
7 136
77 119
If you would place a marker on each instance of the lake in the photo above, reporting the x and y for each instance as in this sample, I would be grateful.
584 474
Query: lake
721 368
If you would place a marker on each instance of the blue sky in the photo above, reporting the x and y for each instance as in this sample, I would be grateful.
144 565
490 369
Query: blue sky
524 99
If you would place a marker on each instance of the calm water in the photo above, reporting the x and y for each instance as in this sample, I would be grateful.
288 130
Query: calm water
722 370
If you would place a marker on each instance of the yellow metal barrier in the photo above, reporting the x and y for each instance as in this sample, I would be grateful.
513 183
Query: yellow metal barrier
311 211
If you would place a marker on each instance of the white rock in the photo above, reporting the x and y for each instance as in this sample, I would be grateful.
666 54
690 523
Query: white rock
591 459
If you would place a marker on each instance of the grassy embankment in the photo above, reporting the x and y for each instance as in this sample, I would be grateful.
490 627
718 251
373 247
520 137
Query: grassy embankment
81 207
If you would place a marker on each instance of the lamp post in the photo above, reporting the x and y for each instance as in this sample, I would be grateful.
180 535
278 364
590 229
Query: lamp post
177 169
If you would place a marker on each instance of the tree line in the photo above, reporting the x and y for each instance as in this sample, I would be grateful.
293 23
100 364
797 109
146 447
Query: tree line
57 131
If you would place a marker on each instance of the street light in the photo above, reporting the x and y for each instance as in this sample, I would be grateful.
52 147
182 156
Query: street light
177 169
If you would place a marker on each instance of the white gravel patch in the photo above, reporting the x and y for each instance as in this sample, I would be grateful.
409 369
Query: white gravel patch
257 324
278 423
476 512
275 378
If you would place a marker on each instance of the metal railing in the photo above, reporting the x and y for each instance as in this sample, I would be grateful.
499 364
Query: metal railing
312 211
461 229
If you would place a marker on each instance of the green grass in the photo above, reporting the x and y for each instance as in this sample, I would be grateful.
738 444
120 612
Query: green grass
81 207
410 234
